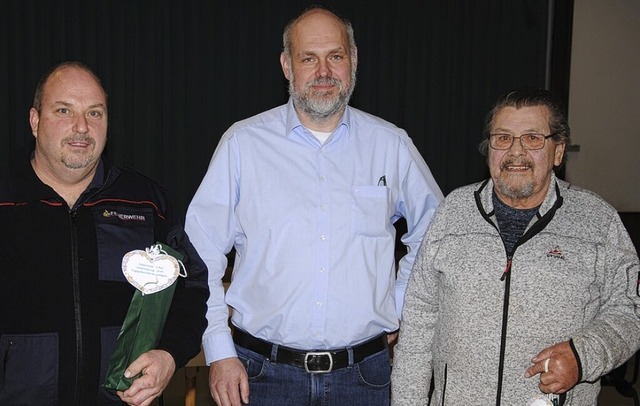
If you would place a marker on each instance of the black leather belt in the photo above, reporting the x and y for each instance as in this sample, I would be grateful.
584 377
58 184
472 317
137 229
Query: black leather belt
314 362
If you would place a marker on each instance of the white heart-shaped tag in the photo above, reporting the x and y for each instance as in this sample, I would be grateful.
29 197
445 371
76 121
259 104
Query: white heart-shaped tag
149 272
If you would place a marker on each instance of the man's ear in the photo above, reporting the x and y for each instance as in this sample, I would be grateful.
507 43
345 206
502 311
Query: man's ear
34 119
285 65
355 59
559 154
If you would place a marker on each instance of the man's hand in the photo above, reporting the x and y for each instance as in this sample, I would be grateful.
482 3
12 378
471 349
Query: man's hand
157 368
557 366
229 382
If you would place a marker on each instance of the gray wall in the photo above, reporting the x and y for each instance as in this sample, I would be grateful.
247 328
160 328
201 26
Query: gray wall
604 100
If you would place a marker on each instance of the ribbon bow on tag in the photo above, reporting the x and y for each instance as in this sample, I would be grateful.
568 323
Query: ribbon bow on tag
151 270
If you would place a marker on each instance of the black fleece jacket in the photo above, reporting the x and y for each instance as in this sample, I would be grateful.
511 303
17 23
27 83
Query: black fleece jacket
63 296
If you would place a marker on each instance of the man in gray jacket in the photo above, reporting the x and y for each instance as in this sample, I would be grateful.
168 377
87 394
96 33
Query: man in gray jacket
524 290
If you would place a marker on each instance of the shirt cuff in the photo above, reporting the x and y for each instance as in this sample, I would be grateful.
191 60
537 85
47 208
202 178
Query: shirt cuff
217 347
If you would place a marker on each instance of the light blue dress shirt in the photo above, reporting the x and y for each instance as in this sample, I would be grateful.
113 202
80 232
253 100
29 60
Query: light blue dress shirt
313 229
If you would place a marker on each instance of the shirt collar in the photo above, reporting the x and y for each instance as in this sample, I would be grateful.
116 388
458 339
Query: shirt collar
293 121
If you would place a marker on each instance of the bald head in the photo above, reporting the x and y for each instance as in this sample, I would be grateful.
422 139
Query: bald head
316 21
56 70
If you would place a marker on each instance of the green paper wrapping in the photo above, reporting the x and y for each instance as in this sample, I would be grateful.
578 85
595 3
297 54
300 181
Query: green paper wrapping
140 332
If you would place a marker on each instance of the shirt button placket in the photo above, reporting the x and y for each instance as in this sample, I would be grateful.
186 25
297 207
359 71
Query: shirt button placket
321 275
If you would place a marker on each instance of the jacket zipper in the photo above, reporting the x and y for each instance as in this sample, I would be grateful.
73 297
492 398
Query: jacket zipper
444 385
507 269
506 277
76 307
75 269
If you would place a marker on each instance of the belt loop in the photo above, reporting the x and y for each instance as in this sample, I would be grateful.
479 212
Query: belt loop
274 353
350 354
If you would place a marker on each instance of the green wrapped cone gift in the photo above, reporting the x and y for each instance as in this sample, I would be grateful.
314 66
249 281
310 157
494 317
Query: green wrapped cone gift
155 273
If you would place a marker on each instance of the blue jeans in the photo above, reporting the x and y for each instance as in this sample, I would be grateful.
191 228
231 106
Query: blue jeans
366 383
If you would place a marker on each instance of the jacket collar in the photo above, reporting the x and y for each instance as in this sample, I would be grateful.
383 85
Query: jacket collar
552 200
546 211
28 187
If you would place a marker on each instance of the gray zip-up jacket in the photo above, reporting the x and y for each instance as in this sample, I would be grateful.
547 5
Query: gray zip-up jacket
476 315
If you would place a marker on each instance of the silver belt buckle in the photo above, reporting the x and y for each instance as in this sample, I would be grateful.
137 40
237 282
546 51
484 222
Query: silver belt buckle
313 354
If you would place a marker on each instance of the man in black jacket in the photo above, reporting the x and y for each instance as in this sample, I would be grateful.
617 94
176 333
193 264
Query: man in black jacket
67 218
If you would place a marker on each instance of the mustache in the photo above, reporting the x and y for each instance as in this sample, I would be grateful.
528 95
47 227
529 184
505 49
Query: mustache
79 138
516 162
325 81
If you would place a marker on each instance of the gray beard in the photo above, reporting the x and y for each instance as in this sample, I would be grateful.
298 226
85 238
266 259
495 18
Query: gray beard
521 192
75 163
78 161
318 108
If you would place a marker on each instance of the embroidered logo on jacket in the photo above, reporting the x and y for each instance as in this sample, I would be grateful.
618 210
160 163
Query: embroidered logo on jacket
126 217
555 253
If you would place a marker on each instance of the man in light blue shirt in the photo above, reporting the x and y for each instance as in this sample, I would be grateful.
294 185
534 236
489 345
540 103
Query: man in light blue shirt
308 193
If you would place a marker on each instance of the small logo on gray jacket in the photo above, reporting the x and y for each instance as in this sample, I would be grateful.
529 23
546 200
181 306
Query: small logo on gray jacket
555 253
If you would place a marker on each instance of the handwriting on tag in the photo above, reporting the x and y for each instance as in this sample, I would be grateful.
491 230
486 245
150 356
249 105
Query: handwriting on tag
150 272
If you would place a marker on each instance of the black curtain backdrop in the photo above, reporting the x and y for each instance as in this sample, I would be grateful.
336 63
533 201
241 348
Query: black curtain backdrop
179 74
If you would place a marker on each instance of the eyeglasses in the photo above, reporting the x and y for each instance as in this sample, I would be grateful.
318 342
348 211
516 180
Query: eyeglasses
528 141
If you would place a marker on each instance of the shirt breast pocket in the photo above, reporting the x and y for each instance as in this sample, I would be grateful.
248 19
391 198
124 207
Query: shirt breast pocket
118 231
370 210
